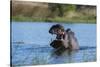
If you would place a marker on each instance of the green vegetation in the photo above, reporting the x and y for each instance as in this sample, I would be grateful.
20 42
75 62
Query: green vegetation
57 19
53 12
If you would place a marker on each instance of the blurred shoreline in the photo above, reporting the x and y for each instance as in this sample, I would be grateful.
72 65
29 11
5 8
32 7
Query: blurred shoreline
52 12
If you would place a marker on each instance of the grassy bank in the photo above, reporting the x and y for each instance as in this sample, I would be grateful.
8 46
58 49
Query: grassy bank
57 19
52 12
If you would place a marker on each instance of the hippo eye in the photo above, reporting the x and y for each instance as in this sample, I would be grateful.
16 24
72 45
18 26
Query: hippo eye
55 30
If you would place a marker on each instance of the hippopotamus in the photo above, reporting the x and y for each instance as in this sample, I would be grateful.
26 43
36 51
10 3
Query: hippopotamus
65 39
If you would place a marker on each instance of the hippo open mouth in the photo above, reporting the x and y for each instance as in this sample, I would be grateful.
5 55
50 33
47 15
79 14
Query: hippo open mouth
64 38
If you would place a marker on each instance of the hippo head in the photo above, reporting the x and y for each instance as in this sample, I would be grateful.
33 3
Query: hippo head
56 28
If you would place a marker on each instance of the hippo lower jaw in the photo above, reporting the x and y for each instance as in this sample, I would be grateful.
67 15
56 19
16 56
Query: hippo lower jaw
58 44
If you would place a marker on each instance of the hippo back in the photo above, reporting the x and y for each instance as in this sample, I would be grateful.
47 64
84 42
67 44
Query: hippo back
73 40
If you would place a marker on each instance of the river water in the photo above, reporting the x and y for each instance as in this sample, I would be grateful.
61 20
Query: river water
30 44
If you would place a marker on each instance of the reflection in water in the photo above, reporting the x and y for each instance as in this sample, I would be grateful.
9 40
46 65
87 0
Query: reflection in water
30 55
61 51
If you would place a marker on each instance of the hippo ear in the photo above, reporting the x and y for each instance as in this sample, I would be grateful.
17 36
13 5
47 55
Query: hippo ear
68 30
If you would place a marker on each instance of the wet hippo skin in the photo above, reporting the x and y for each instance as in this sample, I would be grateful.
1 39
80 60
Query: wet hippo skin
57 44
